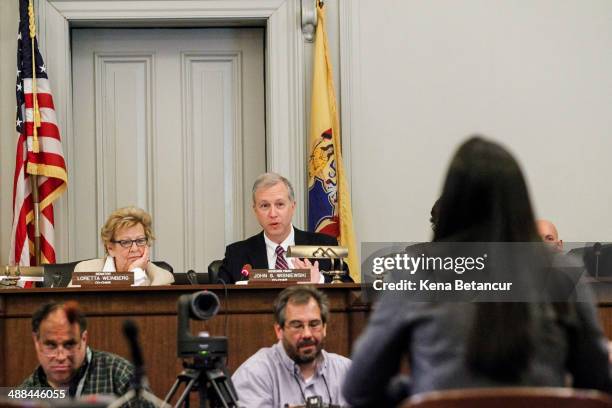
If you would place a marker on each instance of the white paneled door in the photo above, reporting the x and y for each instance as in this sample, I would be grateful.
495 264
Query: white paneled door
173 121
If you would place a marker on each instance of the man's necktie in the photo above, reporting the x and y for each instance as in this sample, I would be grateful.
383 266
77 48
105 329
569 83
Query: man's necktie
281 262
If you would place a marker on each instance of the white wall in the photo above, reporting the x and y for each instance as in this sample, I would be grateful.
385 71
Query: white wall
535 75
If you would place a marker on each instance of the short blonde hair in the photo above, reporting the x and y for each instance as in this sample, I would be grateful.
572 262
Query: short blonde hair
126 217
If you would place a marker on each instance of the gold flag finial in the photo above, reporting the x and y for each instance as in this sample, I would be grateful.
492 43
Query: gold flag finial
32 27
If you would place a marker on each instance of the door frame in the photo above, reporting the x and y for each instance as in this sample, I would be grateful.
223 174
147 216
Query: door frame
284 74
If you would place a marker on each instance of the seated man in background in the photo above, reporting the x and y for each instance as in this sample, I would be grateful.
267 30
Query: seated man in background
548 233
127 236
274 205
297 367
60 337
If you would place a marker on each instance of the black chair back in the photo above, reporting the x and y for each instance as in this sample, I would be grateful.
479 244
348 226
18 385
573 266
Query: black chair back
164 265
213 270
58 275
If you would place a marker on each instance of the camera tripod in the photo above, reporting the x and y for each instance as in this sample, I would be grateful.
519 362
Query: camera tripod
209 377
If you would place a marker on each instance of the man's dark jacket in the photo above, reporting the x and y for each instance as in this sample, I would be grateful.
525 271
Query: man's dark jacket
252 251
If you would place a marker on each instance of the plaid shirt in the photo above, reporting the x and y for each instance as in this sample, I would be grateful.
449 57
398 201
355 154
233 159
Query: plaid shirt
105 373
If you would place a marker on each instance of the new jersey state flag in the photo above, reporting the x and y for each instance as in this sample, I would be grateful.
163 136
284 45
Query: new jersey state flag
329 204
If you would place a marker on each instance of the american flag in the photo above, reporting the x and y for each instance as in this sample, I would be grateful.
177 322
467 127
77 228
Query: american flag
41 155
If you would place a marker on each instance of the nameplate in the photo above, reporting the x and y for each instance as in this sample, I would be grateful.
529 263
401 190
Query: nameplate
279 275
106 279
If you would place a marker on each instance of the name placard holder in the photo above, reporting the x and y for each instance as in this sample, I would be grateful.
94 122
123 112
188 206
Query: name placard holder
279 275
11 275
103 279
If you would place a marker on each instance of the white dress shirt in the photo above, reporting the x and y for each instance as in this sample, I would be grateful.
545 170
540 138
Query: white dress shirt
271 379
271 251
140 276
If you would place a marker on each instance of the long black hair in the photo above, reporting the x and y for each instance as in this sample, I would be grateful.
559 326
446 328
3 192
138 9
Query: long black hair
485 199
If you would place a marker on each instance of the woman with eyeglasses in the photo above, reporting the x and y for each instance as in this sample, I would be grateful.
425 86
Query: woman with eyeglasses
127 237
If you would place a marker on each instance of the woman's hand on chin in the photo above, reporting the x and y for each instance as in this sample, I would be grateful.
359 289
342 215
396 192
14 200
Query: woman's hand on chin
141 262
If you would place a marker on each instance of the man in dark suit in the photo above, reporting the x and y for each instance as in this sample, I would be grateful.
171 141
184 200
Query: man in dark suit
274 205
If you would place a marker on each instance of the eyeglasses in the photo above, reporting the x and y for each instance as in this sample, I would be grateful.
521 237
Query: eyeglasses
298 326
53 350
127 243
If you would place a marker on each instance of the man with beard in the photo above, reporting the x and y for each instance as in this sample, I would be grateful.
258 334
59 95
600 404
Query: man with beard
297 367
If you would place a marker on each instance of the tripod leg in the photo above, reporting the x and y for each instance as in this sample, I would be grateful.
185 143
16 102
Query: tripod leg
152 398
184 398
124 399
203 395
172 391
221 386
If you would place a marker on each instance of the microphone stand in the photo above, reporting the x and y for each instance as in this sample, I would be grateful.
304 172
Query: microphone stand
139 382
596 253
192 276
137 391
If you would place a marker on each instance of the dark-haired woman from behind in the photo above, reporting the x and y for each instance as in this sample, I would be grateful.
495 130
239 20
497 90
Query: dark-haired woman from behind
487 344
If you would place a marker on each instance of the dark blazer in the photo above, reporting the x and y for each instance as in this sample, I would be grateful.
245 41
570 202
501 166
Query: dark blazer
253 251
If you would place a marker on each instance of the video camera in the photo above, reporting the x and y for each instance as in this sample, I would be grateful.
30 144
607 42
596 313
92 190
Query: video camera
206 373
198 306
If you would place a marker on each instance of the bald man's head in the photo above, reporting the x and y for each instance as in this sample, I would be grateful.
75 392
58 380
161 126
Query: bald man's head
548 233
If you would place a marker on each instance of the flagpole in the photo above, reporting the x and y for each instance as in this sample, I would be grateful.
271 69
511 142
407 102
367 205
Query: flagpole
35 147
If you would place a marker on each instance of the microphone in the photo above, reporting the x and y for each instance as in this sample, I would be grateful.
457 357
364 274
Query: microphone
596 253
246 271
71 308
192 276
597 248
130 330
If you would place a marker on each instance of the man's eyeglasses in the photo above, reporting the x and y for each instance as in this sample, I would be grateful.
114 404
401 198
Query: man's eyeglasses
298 326
53 350
127 243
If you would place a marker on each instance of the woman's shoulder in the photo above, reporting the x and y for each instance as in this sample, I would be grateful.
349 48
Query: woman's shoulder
90 265
159 275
